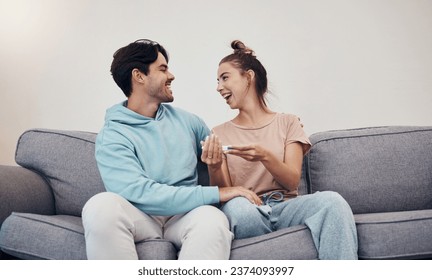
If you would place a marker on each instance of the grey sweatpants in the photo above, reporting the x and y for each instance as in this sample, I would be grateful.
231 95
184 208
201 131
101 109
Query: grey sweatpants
112 226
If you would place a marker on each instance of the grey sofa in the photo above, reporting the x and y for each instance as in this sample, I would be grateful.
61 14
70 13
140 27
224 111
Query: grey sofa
385 174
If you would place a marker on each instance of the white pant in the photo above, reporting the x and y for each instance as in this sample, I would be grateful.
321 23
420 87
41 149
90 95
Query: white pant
112 225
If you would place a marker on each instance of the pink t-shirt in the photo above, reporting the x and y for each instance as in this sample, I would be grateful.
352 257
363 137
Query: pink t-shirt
281 131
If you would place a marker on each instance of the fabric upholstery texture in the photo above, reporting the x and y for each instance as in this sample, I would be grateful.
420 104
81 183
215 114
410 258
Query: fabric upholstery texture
395 235
61 237
383 169
25 191
294 243
66 159
52 237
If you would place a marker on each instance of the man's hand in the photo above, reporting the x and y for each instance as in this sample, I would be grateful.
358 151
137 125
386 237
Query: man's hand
228 193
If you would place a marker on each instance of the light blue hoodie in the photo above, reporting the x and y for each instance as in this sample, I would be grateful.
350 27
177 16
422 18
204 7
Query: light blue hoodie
152 162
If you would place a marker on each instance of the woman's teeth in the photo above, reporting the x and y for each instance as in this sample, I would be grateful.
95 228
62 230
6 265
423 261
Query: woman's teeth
226 96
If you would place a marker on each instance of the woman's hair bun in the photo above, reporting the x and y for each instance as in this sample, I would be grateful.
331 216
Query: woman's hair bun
240 48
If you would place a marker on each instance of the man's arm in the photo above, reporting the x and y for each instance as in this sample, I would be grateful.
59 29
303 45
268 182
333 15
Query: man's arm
122 173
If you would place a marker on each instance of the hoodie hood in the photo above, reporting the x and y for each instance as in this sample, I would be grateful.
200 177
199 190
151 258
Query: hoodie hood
119 113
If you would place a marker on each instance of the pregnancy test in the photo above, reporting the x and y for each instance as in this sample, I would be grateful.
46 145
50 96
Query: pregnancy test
224 148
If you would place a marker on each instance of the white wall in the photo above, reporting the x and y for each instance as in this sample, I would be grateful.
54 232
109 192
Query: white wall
336 63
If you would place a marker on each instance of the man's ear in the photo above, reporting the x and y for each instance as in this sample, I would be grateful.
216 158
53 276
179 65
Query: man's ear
137 76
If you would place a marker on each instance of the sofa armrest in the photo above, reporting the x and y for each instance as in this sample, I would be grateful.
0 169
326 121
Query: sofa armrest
22 190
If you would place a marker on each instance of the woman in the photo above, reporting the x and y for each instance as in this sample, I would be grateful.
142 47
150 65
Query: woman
263 151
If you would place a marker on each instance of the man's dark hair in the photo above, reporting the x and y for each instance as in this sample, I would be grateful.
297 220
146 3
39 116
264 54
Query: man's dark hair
139 54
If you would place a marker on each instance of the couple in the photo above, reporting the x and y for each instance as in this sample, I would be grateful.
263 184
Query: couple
147 154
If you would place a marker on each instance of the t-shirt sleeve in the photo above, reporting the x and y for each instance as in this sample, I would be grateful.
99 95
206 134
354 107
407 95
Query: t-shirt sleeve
295 133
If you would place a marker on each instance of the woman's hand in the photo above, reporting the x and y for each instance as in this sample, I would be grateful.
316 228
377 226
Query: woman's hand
212 151
253 152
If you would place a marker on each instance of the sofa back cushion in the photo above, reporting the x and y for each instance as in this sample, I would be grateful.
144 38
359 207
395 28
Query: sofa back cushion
66 160
380 169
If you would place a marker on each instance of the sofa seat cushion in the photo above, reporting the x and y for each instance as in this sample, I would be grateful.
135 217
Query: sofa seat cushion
395 235
61 237
293 243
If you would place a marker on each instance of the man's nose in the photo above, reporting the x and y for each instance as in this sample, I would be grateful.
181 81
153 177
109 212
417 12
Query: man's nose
171 76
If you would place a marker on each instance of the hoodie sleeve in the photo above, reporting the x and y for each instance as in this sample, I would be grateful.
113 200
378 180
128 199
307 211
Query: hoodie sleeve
122 173
201 131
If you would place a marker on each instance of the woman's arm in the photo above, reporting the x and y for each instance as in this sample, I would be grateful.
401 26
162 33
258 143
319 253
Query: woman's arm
286 172
220 176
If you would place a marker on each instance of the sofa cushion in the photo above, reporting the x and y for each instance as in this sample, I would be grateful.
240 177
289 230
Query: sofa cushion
395 235
303 186
66 159
58 237
61 237
24 191
293 243
381 169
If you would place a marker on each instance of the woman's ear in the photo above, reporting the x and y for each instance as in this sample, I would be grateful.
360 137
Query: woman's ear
250 75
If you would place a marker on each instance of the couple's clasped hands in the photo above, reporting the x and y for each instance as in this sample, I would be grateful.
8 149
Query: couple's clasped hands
212 155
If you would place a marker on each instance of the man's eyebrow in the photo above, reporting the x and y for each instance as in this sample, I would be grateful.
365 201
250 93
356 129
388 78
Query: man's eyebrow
163 66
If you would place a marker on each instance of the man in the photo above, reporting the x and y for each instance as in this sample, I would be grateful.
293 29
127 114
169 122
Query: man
147 154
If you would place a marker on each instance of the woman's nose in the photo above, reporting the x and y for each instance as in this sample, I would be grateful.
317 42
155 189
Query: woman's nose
219 87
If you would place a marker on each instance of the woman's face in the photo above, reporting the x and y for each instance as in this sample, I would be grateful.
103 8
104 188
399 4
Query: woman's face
232 85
